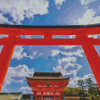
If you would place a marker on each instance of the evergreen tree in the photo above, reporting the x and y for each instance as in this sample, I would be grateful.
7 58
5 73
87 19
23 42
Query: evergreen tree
82 92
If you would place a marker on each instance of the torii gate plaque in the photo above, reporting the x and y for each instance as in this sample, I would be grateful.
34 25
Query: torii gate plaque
81 32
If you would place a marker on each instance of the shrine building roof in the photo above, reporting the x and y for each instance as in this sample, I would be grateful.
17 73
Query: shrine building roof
47 75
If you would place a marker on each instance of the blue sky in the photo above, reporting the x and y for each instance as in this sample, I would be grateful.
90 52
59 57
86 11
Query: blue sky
69 60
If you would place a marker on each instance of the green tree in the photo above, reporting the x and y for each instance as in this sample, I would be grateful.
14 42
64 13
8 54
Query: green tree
93 89
96 93
72 91
82 92
81 84
76 90
89 83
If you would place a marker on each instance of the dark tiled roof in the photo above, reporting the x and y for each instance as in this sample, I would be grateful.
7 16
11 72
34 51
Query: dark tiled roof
47 74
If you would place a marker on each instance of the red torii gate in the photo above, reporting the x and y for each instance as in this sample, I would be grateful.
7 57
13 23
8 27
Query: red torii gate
81 32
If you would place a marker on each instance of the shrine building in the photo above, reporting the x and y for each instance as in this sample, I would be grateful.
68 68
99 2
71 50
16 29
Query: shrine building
47 85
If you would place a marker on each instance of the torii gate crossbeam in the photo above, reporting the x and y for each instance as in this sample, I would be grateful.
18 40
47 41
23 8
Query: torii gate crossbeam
81 33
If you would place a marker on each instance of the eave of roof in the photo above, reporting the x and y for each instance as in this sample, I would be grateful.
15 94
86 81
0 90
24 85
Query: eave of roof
54 26
48 79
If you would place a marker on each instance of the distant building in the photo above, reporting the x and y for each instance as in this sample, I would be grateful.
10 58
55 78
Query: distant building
47 86
10 96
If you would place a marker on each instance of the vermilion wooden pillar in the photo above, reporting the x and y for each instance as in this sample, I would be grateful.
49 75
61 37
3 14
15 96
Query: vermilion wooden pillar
54 95
41 95
60 96
35 96
6 55
91 55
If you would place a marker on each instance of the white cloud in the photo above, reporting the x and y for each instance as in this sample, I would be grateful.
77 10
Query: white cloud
89 76
93 36
69 70
72 36
1 48
19 9
73 81
68 51
98 7
26 90
68 47
32 56
45 51
4 20
32 36
2 36
58 3
67 59
76 53
18 74
18 53
55 52
26 36
89 18
85 2
67 66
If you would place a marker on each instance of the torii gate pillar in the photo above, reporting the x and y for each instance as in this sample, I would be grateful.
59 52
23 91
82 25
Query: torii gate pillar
5 56
91 55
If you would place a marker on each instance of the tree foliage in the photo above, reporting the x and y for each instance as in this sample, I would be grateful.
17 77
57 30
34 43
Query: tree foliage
86 89
90 88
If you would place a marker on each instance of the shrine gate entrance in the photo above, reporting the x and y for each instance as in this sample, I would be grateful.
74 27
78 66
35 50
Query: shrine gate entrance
47 85
81 33
47 98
